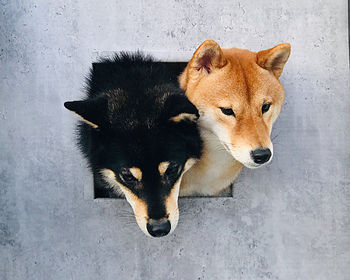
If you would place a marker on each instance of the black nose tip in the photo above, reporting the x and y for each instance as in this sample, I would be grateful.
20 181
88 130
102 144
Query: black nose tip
261 156
158 228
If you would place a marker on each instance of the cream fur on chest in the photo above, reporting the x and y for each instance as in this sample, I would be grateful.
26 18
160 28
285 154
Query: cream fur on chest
214 172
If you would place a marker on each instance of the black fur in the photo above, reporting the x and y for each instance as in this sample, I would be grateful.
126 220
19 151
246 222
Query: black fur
131 99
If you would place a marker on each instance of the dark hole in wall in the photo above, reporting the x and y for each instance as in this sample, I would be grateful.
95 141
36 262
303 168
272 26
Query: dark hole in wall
101 189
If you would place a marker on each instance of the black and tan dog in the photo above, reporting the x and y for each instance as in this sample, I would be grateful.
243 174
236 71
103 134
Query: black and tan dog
139 135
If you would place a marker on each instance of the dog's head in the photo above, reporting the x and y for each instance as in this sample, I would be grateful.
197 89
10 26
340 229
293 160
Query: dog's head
238 95
145 144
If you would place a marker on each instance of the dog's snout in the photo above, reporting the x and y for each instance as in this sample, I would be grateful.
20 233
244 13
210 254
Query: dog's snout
158 228
261 155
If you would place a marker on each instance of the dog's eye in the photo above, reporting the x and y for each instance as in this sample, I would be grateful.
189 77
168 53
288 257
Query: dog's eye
265 107
227 111
127 177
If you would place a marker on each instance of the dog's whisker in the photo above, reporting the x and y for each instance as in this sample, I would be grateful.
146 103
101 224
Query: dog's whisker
274 137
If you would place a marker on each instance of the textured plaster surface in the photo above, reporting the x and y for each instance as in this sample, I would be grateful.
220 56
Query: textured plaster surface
289 220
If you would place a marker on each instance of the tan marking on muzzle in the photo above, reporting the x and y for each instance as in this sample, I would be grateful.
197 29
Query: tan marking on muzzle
171 205
138 205
171 202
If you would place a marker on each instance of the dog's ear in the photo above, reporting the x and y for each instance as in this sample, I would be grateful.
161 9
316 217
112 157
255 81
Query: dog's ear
274 59
91 111
205 60
178 108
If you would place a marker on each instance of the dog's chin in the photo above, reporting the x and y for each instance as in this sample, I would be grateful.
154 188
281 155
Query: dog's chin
142 225
246 160
252 165
174 219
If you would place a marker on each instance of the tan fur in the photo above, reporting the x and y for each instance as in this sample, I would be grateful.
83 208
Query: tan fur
184 116
138 205
242 81
172 206
162 167
274 59
171 202
109 176
85 121
210 175
189 163
136 172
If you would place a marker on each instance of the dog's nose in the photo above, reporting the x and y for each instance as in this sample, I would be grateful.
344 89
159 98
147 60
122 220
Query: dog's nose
260 155
158 228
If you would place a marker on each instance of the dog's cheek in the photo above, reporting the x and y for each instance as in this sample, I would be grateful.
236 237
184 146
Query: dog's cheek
275 114
208 120
189 163
139 207
110 178
171 204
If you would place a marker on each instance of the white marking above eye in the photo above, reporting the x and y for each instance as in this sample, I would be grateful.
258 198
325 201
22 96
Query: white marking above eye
162 167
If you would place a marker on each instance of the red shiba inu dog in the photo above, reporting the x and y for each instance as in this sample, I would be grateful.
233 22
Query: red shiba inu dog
239 96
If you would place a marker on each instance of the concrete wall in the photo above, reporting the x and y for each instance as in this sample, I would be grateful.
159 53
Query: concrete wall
290 220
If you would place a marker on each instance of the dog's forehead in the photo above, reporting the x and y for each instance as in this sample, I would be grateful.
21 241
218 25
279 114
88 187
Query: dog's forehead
140 97
242 81
148 147
141 136
248 75
132 109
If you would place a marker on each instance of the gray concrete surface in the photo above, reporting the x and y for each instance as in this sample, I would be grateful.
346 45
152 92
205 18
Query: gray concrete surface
290 220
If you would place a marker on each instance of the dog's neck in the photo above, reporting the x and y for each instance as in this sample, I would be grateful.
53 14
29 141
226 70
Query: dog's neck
214 172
